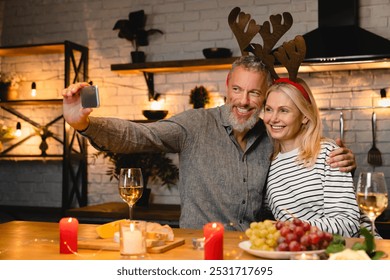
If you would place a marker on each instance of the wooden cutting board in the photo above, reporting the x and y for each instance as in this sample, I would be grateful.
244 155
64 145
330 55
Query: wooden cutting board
110 245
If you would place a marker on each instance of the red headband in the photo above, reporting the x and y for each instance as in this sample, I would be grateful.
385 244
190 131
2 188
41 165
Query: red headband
298 86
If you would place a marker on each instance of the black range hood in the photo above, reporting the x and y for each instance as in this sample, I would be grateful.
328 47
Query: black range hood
340 40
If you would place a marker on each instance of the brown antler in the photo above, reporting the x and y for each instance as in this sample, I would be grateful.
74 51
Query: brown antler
271 38
238 27
266 57
291 54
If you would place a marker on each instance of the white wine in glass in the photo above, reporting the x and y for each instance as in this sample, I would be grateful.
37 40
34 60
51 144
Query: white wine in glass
371 195
131 186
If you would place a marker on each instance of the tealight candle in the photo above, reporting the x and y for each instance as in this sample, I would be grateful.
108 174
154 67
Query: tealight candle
68 235
132 238
198 243
213 243
305 256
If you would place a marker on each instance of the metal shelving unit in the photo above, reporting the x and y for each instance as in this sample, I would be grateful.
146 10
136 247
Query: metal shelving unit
74 155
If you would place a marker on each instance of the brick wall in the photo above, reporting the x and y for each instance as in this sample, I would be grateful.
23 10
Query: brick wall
189 27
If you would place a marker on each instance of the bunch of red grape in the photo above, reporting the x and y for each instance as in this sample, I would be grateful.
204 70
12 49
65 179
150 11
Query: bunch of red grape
297 235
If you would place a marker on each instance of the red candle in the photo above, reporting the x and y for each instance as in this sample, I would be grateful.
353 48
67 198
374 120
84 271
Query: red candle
213 243
68 235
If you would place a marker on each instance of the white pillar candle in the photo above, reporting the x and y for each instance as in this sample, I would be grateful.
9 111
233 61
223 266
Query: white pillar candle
132 239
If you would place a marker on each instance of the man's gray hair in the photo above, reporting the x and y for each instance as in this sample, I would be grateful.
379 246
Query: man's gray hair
252 63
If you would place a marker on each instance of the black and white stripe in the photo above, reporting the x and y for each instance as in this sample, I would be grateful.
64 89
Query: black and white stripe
321 195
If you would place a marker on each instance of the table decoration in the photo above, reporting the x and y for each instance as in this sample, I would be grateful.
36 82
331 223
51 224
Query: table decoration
339 244
132 238
68 235
198 243
305 256
213 244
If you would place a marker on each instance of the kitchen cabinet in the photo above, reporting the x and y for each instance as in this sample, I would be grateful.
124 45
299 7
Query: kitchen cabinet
74 154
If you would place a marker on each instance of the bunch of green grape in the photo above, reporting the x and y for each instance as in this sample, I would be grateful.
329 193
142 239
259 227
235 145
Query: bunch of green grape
263 235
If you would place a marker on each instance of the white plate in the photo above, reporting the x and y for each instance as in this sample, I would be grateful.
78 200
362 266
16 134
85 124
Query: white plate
276 255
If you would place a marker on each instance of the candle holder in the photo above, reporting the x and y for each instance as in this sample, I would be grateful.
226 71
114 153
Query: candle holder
132 238
198 243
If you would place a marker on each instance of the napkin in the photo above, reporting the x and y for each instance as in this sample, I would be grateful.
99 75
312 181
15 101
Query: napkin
157 231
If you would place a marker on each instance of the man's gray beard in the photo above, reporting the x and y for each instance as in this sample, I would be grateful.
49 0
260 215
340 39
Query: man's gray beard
245 126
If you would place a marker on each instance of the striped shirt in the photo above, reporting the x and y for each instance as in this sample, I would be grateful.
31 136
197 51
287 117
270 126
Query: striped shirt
321 195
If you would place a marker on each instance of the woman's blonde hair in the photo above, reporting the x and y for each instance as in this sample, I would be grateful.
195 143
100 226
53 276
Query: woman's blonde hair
311 132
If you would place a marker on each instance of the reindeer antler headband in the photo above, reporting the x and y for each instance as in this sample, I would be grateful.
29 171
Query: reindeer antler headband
290 54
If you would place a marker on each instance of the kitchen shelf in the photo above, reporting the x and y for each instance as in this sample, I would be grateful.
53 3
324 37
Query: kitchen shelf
32 102
148 69
225 64
174 66
38 49
74 155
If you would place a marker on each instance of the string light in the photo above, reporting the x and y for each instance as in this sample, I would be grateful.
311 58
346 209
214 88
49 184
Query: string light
18 131
33 89
384 101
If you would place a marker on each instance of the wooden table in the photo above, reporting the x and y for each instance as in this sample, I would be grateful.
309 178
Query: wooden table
22 240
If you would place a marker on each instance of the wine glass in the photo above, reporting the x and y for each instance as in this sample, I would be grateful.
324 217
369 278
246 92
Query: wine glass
131 186
371 195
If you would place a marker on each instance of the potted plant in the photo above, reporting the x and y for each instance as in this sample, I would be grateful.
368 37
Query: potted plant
6 134
153 165
133 29
199 97
8 82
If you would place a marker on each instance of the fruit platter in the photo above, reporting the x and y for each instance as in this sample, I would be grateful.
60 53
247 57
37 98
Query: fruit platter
289 239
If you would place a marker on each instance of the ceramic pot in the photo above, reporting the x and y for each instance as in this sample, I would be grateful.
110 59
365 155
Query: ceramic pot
137 57
4 91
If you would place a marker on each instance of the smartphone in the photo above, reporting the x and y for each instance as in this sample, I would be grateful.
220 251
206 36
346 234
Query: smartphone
90 97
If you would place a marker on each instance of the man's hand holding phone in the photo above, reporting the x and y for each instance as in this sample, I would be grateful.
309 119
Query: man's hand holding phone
77 106
90 97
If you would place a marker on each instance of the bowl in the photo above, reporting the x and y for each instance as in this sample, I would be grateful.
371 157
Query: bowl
155 114
217 52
